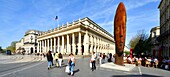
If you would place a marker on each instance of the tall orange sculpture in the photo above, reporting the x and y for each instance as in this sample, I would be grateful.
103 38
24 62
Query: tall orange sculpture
120 32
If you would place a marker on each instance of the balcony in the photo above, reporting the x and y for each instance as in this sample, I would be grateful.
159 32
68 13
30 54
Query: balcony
164 35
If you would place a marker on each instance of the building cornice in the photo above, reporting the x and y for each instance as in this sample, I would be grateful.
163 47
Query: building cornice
73 25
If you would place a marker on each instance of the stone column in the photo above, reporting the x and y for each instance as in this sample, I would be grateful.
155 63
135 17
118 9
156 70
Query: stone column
91 47
51 42
45 47
86 43
58 46
54 44
42 46
38 47
68 44
98 45
62 45
94 44
79 45
73 44
48 45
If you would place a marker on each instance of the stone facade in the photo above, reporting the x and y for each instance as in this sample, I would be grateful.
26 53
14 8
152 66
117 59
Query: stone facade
28 43
154 33
164 37
79 37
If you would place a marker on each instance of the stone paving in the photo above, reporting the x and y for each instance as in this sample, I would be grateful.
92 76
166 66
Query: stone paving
5 59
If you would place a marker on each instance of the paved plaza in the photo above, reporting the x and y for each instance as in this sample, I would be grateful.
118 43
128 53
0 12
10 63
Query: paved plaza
38 68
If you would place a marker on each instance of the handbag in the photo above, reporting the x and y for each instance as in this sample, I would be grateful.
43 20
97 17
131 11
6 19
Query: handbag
67 69
90 65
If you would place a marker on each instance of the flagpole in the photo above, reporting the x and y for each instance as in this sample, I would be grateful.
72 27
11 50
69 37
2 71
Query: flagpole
57 23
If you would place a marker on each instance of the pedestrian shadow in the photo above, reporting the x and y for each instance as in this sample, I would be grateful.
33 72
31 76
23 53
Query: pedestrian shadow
75 71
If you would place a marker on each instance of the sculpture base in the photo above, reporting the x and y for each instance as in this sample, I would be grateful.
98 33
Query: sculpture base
126 67
119 60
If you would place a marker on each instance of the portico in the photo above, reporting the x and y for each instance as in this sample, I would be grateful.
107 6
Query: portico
80 37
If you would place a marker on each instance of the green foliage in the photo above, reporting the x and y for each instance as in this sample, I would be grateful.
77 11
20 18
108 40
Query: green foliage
141 43
134 41
2 50
12 47
127 52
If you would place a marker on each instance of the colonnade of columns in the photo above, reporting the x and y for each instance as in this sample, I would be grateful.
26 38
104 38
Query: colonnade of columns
77 43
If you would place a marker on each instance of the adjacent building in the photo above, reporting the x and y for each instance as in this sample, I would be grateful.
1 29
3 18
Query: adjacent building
164 37
28 43
154 34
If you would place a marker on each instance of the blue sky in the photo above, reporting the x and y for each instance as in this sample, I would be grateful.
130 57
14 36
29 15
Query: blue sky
18 16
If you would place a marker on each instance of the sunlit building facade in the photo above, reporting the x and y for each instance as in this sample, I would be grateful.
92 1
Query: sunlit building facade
154 34
28 43
80 37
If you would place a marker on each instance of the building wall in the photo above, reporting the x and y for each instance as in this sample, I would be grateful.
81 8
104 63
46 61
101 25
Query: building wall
28 42
154 34
164 8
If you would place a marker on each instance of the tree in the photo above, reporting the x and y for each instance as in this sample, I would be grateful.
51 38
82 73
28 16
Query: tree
1 49
12 46
141 43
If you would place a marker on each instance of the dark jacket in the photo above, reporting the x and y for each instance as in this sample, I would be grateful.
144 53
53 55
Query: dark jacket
49 57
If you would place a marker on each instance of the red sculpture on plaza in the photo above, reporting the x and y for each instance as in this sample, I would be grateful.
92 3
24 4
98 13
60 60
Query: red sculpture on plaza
120 33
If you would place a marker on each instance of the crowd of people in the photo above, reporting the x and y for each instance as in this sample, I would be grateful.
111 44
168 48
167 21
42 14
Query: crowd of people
58 57
149 61
102 58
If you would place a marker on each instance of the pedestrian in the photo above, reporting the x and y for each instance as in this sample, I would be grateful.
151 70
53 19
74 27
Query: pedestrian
71 62
110 57
93 61
56 59
103 58
100 58
60 58
49 59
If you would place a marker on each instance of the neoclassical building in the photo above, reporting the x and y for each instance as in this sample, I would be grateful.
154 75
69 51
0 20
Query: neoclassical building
79 37
164 38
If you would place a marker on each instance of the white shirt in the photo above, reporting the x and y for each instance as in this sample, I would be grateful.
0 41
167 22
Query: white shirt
93 57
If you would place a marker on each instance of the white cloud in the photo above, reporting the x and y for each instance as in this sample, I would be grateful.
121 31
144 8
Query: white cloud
132 4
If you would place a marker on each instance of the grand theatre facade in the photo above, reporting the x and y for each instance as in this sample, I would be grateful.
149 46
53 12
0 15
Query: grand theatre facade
80 37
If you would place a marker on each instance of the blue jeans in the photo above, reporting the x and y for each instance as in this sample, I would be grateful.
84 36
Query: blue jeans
72 67
49 63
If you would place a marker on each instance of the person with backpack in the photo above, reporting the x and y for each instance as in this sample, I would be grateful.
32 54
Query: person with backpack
60 58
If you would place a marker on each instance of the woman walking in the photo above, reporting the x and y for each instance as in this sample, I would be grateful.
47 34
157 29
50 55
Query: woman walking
60 58
93 61
71 62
